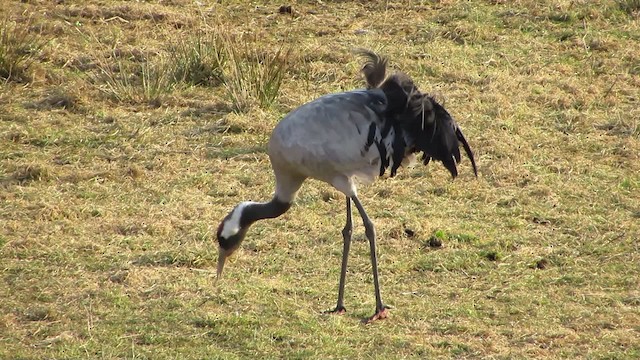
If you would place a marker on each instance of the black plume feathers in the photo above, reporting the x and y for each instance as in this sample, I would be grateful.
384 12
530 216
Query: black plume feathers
419 122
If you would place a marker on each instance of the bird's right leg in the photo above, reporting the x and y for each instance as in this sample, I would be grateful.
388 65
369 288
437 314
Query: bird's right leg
381 309
346 236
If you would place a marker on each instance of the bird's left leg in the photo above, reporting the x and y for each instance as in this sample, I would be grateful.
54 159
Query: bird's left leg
346 236
381 309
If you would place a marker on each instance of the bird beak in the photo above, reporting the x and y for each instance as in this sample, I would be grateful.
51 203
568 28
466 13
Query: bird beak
222 257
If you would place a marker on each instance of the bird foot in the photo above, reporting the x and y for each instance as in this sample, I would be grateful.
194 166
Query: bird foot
339 310
379 315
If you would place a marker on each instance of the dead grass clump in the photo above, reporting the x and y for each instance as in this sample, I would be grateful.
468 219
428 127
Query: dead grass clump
82 63
134 229
135 172
621 127
601 45
631 7
30 173
17 136
131 54
633 65
119 277
561 17
39 313
460 34
77 177
19 49
57 99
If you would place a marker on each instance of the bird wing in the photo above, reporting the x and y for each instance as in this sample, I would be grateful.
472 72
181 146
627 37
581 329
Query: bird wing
332 136
439 137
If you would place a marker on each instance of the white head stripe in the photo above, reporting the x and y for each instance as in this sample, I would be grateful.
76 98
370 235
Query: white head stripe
232 224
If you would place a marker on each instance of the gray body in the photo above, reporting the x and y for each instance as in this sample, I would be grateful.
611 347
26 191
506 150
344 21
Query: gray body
325 140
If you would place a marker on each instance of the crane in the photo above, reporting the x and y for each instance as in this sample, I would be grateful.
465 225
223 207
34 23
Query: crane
348 138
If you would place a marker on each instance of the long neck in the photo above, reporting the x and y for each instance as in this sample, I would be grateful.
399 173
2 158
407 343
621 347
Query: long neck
253 211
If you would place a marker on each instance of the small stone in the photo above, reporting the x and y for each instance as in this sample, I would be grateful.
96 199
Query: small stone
285 9
119 277
542 264
435 242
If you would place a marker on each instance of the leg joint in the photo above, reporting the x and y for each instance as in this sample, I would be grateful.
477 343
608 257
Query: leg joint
347 231
370 230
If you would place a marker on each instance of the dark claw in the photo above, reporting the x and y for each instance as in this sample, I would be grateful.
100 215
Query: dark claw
339 310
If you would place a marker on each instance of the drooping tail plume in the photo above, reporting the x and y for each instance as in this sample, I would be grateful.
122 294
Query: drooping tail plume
467 149
374 68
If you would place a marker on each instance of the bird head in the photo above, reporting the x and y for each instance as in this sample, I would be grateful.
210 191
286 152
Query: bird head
231 232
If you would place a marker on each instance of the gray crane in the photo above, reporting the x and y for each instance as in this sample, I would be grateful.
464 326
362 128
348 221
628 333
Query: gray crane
347 137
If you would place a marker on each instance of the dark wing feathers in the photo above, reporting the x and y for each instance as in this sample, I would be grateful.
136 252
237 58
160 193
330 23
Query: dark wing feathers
416 118
399 147
467 149
440 138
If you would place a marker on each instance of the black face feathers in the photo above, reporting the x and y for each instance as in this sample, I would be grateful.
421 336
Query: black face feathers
420 123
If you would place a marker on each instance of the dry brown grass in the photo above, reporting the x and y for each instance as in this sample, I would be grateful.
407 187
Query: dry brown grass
109 207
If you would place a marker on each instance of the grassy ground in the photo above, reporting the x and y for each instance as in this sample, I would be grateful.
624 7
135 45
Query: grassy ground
129 129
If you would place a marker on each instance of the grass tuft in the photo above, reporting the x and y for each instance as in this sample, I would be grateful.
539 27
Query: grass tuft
491 255
141 82
57 99
30 173
253 77
19 49
199 60
631 7
38 313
